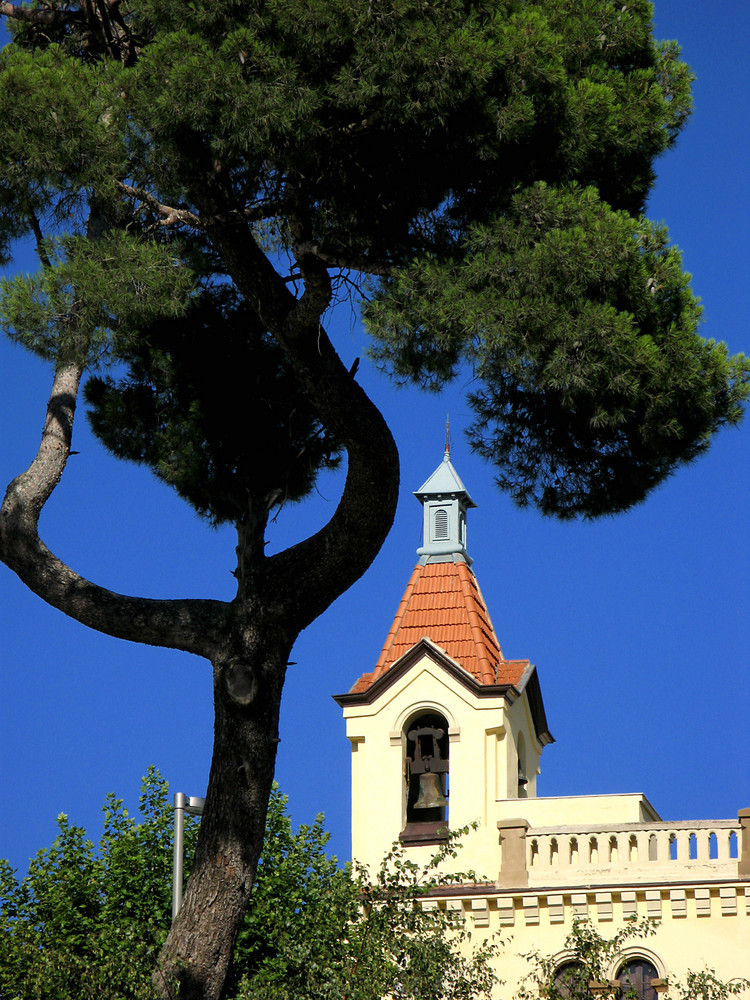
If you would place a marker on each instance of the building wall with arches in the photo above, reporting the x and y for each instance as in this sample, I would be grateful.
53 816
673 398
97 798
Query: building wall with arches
483 730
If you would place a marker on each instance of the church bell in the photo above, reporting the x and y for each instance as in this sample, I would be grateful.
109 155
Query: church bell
427 766
430 792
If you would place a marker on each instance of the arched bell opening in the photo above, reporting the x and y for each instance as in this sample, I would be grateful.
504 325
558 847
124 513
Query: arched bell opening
426 774
523 779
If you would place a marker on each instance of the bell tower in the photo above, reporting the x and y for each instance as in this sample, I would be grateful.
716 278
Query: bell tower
444 731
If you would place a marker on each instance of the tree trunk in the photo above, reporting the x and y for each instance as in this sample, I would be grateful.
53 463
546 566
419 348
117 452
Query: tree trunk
247 694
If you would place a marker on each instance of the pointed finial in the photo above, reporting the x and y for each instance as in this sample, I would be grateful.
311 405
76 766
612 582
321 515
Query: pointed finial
447 436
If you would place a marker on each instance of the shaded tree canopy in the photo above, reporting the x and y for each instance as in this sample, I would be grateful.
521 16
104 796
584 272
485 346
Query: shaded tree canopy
483 165
204 183
187 412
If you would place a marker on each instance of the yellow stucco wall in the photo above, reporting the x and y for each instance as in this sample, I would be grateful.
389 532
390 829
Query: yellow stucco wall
719 940
703 909
483 762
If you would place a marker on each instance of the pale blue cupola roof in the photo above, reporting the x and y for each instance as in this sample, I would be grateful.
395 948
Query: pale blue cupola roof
445 500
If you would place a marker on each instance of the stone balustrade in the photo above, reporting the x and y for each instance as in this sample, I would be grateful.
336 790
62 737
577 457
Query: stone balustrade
705 850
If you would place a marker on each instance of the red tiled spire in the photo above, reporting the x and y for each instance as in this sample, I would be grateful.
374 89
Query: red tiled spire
443 602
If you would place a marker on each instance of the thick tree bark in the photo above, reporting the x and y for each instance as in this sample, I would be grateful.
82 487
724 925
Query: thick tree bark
312 574
248 640
277 598
247 695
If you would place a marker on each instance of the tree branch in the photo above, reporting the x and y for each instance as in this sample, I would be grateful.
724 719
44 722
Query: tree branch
308 577
195 626
344 262
39 240
171 215
255 213
45 15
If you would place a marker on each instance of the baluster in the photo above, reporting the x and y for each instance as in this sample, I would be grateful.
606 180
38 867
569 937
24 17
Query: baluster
662 842
642 839
722 842
703 835
683 846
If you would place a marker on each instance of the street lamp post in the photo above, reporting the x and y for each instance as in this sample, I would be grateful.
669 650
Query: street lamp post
193 806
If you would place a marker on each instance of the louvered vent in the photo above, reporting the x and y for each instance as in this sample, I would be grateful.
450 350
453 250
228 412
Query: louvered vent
440 527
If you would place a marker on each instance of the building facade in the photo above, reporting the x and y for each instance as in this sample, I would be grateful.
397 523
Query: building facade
447 732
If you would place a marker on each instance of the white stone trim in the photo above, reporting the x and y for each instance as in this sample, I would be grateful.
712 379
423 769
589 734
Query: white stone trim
580 903
531 910
419 707
556 907
728 897
678 902
653 904
703 902
480 911
632 951
603 906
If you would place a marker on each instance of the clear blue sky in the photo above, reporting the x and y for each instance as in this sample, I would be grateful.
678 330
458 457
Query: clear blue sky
639 625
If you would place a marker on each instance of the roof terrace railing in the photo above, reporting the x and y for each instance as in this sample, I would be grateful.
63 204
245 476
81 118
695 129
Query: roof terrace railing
704 850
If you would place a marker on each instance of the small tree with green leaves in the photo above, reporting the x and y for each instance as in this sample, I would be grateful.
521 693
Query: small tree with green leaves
588 955
706 985
371 938
87 922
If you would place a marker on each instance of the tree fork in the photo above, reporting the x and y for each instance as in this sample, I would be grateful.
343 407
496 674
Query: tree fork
317 570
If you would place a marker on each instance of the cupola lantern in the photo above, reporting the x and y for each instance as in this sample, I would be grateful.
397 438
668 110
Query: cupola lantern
445 500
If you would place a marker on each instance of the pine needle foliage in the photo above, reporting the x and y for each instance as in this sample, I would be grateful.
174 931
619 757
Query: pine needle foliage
482 165
488 162
591 382
218 419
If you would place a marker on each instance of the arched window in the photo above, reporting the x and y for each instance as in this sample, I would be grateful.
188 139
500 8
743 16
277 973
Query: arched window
733 845
636 976
426 774
523 778
571 980
613 856
534 861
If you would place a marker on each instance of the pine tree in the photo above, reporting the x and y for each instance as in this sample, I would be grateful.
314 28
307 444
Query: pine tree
204 182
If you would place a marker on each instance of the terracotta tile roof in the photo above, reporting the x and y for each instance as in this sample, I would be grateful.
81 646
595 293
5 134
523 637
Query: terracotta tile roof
443 602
